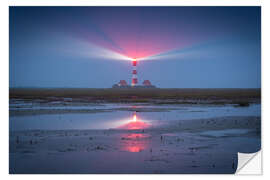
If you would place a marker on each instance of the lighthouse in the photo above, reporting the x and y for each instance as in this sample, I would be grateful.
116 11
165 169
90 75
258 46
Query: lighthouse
134 81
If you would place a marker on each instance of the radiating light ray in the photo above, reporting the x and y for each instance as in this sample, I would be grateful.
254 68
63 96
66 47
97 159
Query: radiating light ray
174 54
132 35
78 48
102 53
207 49
204 50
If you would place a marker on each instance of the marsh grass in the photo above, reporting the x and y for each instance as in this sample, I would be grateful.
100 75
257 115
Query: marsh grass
242 97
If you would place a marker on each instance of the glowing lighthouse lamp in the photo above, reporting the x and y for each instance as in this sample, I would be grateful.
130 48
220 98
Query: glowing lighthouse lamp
134 81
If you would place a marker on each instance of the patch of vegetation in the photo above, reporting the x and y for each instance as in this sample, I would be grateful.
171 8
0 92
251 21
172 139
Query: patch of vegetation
159 96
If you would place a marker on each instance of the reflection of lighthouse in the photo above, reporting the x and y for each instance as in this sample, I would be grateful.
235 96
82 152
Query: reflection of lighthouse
134 80
134 123
134 117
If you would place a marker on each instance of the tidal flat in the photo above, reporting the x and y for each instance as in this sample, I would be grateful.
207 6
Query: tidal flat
68 134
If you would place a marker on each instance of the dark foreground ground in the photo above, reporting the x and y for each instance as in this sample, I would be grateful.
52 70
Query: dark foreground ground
196 147
175 145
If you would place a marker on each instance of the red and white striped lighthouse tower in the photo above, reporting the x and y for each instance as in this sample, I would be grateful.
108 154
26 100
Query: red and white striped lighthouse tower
134 80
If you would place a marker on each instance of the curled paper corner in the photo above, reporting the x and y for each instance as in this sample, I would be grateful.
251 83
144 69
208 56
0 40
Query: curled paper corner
249 163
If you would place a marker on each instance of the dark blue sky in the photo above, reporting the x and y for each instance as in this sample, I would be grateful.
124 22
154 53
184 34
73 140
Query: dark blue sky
176 47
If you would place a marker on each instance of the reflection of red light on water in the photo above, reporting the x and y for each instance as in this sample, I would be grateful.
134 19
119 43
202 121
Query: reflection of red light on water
135 142
136 135
134 149
134 125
